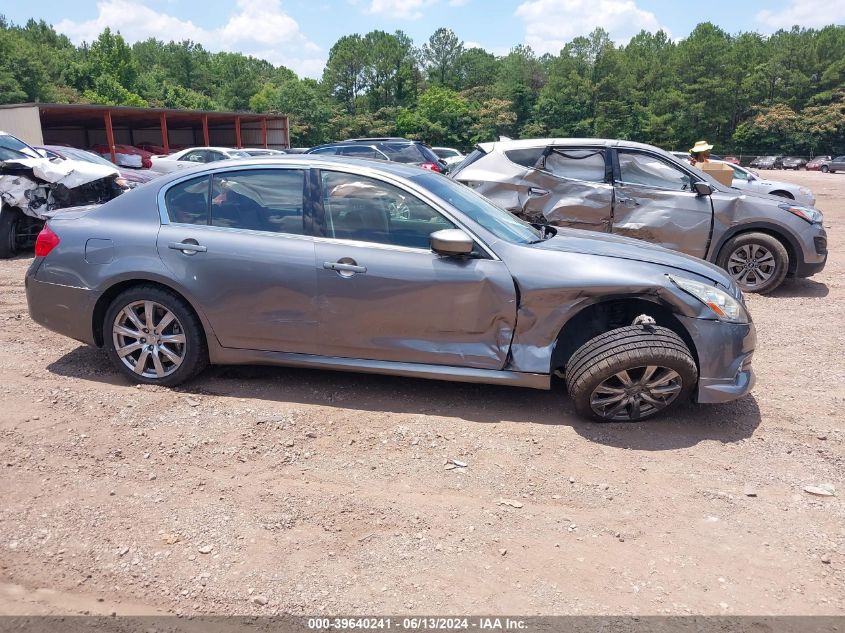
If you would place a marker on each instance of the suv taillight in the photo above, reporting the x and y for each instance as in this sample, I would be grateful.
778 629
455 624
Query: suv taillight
46 242
432 167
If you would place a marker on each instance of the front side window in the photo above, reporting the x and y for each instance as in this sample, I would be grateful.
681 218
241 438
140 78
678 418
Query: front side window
259 200
643 169
187 202
576 164
369 210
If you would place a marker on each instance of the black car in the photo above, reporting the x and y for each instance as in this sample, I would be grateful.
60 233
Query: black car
793 162
399 150
766 162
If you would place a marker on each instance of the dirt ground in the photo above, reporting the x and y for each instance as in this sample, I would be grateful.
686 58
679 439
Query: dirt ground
263 490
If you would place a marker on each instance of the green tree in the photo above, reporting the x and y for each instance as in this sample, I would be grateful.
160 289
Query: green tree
441 55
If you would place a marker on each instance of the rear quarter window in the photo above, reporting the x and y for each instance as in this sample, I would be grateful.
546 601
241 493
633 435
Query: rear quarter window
528 157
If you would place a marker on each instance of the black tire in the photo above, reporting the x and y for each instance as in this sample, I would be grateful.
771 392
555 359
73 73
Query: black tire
825 169
632 349
10 220
777 270
783 194
194 351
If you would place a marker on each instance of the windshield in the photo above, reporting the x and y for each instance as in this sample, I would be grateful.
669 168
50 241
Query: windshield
498 221
9 142
88 157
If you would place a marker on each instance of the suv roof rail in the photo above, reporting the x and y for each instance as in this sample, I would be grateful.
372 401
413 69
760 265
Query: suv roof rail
377 138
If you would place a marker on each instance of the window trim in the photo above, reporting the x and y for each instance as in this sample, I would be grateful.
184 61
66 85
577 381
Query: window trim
307 208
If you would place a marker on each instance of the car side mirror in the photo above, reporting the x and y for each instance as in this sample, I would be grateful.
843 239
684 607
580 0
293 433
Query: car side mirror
451 242
702 188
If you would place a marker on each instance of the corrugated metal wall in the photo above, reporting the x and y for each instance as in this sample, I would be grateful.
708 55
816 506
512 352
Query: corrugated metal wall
23 122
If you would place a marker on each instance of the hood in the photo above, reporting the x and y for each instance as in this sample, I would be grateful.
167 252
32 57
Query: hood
617 246
70 173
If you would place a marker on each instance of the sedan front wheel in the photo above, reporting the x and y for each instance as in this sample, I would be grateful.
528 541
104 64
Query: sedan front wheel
152 336
630 373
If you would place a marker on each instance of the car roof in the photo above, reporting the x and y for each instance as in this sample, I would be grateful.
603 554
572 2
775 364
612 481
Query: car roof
371 141
402 170
542 142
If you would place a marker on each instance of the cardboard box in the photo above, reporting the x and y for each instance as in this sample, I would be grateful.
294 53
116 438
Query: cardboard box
720 171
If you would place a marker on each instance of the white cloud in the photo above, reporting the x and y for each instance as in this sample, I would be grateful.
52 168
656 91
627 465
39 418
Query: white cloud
806 13
258 27
458 3
549 24
402 9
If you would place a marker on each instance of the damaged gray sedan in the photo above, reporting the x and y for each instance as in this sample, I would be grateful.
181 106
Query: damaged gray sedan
380 267
641 191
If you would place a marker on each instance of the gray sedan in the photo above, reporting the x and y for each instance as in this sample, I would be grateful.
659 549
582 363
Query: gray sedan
382 267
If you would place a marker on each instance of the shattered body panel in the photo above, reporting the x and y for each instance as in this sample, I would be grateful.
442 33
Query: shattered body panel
38 185
567 203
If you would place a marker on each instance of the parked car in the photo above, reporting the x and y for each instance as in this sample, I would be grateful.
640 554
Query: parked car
766 162
792 162
837 164
262 151
449 155
32 186
400 150
819 163
733 160
126 155
747 180
193 156
131 177
416 275
641 191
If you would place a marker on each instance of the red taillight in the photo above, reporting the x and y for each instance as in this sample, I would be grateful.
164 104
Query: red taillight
146 163
46 242
432 167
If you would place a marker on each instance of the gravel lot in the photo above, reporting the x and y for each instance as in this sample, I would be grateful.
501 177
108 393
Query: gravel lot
262 490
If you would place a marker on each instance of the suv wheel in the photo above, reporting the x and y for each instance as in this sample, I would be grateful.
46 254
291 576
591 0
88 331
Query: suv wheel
10 220
630 374
757 262
152 336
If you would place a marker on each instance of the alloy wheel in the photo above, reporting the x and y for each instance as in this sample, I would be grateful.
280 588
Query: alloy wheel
751 265
149 339
636 393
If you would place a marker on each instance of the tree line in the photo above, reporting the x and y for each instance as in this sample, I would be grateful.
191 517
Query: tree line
746 93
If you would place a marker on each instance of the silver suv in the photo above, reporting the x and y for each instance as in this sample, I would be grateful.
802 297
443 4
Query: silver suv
643 192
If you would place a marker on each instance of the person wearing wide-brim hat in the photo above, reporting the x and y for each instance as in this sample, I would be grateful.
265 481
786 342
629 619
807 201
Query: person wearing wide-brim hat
700 153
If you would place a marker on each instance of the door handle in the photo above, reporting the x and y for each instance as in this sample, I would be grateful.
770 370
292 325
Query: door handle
345 267
188 248
534 192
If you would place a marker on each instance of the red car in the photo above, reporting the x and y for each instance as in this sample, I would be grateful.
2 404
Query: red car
819 163
731 159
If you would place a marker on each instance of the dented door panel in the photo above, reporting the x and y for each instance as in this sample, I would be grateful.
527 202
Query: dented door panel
575 204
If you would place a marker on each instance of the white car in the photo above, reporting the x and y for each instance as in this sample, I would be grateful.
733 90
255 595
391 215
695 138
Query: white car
262 151
449 155
751 181
193 156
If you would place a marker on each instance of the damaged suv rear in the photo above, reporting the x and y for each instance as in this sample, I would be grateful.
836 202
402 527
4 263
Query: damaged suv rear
31 186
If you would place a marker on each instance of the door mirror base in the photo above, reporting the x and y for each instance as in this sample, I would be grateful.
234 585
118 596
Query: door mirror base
451 242
702 188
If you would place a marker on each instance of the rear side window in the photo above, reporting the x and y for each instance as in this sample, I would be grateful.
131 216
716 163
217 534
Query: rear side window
259 200
325 150
526 157
407 153
359 151
187 202
577 164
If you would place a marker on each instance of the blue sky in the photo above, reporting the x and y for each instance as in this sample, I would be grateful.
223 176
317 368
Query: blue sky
299 33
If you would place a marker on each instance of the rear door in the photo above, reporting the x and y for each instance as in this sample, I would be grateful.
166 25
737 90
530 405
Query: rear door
570 187
236 242
654 201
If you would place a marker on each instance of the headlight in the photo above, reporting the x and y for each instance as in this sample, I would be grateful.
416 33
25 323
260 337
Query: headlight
805 213
723 305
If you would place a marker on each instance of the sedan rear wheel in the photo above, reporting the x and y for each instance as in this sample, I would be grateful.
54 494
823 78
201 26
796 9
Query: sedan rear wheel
153 337
757 262
630 374
825 169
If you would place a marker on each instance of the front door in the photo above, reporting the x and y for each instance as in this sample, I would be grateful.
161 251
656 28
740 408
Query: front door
236 244
384 295
654 201
569 187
